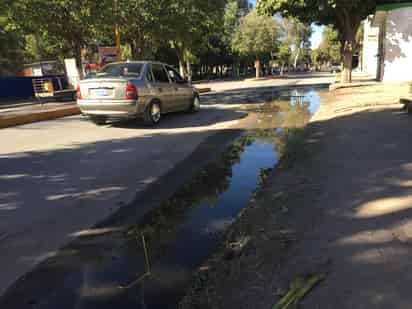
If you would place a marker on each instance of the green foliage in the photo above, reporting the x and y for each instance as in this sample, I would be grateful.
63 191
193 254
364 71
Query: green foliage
141 25
343 15
188 26
256 36
329 50
295 32
10 49
230 21
284 54
297 35
321 11
10 43
61 26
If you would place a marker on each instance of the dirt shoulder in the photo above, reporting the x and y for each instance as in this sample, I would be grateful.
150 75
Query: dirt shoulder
343 212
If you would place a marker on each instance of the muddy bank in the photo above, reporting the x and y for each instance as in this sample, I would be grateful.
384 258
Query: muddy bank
261 238
282 233
265 230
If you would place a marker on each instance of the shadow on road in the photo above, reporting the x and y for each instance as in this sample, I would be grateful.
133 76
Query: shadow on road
352 216
185 120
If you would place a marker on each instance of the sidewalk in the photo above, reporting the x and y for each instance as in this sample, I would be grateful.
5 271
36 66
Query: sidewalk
23 114
345 212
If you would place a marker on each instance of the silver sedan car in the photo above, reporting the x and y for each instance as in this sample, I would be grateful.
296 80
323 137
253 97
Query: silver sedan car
141 89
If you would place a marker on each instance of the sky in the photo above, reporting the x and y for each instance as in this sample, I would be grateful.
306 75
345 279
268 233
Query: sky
316 38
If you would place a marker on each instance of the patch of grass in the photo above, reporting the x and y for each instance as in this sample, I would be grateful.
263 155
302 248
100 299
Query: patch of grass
263 174
299 288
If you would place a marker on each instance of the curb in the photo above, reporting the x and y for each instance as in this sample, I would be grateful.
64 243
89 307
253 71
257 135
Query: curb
203 90
352 85
407 103
38 116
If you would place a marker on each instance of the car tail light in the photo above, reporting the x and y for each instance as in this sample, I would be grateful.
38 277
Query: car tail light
131 92
78 93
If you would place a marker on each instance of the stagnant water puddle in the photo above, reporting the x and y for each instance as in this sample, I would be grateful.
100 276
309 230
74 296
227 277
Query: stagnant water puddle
179 235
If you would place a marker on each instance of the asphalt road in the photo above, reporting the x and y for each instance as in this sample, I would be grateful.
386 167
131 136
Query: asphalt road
58 178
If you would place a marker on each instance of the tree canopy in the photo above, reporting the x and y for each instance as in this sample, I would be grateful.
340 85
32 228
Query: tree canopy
213 37
297 35
343 15
256 37
328 51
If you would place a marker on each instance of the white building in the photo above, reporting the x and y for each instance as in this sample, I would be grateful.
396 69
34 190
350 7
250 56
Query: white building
387 48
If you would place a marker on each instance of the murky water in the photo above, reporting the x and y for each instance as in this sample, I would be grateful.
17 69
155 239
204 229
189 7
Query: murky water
182 232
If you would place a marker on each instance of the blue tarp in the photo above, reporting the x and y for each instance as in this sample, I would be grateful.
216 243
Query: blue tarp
20 88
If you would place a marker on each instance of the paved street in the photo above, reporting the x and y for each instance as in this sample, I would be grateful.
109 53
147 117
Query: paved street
60 177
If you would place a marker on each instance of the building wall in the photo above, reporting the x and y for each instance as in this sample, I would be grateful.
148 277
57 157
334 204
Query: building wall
370 48
398 45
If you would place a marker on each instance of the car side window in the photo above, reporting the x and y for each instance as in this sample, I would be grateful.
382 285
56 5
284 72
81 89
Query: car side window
174 76
159 73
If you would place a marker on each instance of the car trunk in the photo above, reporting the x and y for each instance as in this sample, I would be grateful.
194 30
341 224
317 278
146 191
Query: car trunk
103 89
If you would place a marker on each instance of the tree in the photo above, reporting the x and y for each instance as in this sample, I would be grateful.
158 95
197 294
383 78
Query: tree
256 37
11 57
141 25
230 21
188 26
344 15
284 55
234 10
73 22
329 49
297 34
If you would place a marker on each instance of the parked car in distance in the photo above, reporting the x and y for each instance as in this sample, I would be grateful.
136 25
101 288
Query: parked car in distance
136 89
335 68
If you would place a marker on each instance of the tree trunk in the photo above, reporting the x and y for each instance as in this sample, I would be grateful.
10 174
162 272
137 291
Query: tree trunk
297 58
78 57
346 76
182 68
179 54
347 25
179 49
257 67
188 71
137 47
133 47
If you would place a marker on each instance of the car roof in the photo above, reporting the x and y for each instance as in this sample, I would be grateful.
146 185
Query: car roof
138 61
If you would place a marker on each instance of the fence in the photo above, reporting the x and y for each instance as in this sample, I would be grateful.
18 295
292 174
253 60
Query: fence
21 88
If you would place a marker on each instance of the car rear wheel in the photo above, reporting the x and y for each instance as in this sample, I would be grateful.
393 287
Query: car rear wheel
152 114
98 120
195 106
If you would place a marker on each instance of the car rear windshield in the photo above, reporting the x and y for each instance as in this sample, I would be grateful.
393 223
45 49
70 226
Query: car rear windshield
121 69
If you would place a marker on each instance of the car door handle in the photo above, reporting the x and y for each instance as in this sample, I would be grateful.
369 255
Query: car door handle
160 89
177 89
